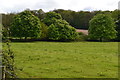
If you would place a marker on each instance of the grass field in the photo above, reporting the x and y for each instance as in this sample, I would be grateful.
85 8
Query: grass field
66 59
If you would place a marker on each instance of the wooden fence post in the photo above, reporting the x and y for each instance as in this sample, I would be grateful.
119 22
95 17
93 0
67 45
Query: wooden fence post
3 72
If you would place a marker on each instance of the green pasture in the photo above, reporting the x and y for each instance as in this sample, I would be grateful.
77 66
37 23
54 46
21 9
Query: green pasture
66 59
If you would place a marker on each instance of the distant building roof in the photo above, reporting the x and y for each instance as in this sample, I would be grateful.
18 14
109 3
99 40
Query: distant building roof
83 31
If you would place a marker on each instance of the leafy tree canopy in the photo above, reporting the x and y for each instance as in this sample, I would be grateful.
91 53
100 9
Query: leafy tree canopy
59 29
25 24
116 17
102 27
51 18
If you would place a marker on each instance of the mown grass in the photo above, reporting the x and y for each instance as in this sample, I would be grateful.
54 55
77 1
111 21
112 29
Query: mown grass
66 59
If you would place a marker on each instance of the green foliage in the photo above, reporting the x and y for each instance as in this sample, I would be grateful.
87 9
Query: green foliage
25 24
53 32
79 20
8 61
44 33
7 58
39 13
81 37
59 29
61 33
118 28
7 19
53 15
80 33
4 33
116 17
102 27
7 55
51 18
115 14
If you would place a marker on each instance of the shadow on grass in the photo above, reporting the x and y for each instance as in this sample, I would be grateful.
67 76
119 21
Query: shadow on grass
35 40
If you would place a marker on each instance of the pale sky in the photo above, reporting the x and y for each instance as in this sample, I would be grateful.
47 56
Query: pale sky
7 6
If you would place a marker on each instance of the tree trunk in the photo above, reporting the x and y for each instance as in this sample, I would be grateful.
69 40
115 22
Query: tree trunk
20 38
25 38
101 39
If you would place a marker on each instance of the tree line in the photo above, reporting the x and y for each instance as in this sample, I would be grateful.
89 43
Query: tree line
62 18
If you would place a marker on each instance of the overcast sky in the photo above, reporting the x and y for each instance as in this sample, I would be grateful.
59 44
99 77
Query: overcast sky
7 6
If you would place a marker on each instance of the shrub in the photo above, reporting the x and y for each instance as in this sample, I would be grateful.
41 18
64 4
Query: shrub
81 37
61 31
